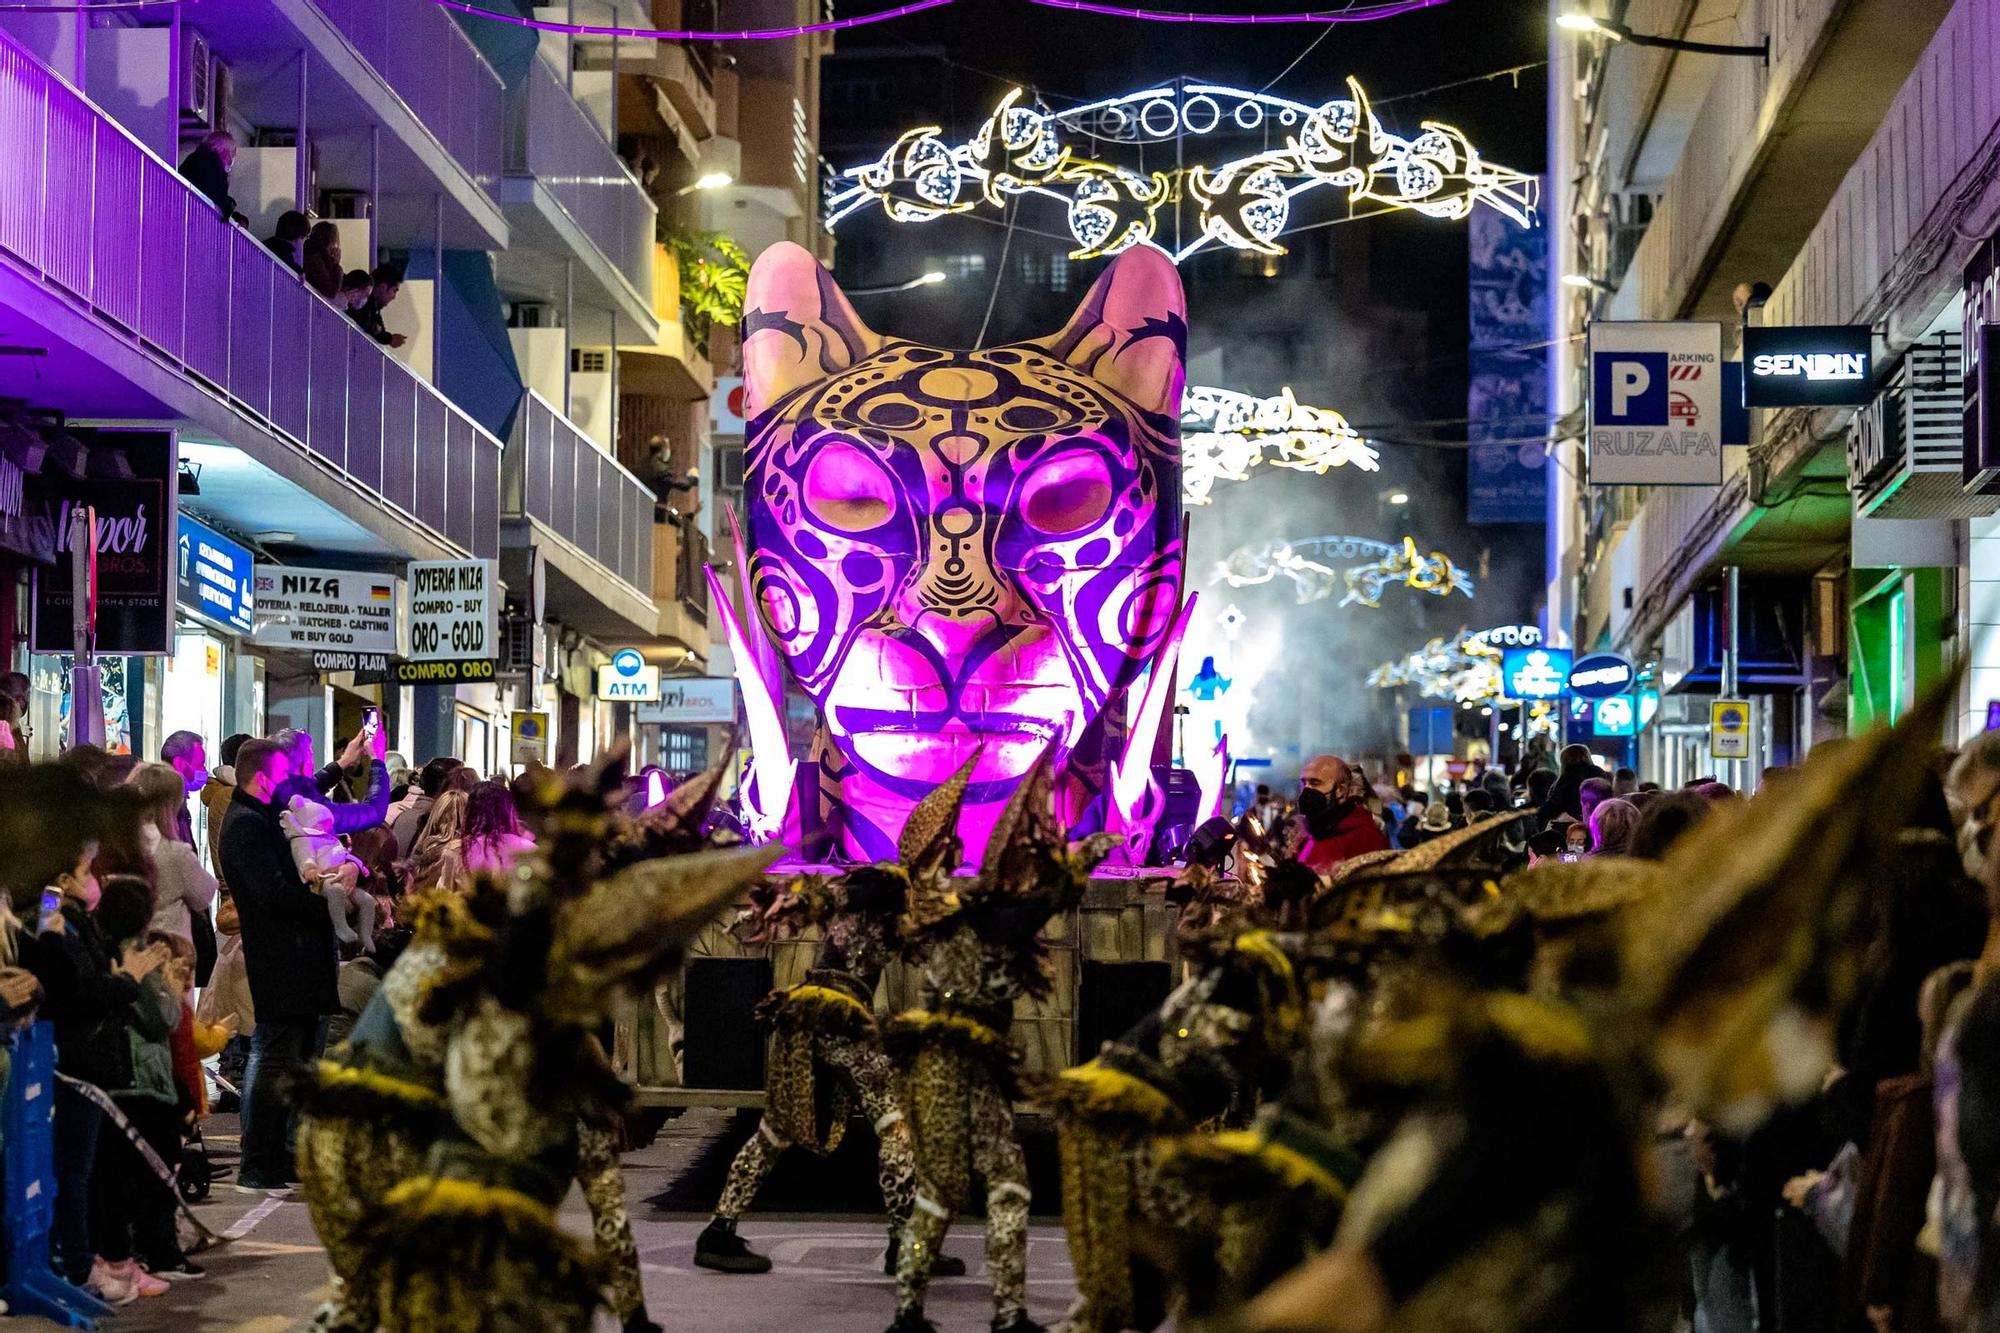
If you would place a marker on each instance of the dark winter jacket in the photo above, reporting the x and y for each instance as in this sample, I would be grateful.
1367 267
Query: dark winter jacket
204 170
288 946
89 1004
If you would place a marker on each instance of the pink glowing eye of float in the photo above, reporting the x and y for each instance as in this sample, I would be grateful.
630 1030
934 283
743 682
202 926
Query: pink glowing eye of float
848 490
1067 494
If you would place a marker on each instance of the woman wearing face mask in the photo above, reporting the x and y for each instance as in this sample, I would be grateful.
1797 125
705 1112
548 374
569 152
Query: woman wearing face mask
1338 825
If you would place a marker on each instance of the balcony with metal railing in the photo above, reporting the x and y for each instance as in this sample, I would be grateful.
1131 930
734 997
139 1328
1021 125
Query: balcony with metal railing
421 52
583 226
591 517
146 303
398 102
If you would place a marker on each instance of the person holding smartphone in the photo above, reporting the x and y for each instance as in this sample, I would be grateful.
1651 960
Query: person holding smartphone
88 992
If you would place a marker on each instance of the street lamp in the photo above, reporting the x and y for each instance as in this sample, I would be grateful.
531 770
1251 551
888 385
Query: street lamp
712 180
1579 22
1397 497
929 279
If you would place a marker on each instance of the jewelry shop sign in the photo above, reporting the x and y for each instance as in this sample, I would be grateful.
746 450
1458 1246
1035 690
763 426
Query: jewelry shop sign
326 610
1655 404
454 609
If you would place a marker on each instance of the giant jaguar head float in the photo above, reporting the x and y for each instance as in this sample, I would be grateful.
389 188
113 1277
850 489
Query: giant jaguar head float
962 551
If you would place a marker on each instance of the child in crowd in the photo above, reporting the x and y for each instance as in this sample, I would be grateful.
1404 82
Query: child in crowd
193 1040
91 990
226 998
329 868
131 1208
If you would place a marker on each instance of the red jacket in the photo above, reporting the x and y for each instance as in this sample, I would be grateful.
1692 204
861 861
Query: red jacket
1357 832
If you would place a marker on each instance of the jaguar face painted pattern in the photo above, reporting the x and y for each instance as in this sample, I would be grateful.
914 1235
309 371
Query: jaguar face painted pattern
960 549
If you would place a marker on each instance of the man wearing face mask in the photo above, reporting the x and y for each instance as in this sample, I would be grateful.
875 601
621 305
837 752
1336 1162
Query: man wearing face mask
1338 825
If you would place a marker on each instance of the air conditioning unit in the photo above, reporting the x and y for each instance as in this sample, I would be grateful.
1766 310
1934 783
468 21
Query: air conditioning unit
729 467
590 361
197 79
517 644
1905 449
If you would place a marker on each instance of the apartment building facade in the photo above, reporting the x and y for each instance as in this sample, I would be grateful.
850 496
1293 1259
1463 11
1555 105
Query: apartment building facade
541 405
1847 178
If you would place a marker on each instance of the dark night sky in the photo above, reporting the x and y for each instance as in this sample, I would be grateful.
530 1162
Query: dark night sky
1367 317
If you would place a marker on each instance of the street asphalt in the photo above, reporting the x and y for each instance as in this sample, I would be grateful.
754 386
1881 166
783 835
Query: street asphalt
822 1230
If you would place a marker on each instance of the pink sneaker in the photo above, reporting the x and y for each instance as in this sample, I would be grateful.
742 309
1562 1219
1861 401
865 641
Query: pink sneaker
143 1283
112 1286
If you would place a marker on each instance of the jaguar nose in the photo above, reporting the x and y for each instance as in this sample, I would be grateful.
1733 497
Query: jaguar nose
954 634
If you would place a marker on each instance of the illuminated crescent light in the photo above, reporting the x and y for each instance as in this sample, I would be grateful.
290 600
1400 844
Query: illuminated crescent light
1319 567
1240 203
1224 434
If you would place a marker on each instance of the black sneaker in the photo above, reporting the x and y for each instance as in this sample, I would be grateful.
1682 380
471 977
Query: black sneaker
912 1321
255 1184
1020 1323
182 1269
720 1248
946 1265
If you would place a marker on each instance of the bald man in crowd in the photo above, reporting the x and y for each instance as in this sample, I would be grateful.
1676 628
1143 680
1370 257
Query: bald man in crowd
1338 824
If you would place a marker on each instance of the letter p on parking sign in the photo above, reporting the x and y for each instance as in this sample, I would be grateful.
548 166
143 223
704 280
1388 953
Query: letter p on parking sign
1631 388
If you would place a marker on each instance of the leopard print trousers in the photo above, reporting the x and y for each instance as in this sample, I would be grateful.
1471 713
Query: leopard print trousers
346 1166
996 1154
603 1182
863 1063
349 1165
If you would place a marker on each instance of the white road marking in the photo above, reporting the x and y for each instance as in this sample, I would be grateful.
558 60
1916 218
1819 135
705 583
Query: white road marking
248 1222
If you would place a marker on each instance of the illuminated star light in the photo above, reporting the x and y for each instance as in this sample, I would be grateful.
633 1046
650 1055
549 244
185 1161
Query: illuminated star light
1242 203
1224 434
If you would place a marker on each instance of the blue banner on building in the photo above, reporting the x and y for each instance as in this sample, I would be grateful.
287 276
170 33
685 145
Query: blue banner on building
216 577
1507 386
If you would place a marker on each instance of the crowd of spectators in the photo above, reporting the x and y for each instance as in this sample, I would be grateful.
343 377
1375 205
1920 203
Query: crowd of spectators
310 249
245 911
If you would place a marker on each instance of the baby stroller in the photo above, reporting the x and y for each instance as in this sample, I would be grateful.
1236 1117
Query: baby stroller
198 1172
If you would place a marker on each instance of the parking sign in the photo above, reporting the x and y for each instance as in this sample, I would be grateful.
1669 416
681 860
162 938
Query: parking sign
1655 404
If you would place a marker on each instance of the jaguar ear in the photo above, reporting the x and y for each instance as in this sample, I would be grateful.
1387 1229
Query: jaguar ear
1131 331
797 327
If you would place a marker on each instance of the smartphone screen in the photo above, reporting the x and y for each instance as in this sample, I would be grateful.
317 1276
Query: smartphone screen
371 719
51 903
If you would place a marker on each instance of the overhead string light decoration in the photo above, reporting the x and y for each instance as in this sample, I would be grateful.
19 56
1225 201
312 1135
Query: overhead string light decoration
1244 203
1319 567
697 35
1464 669
1356 14
1224 434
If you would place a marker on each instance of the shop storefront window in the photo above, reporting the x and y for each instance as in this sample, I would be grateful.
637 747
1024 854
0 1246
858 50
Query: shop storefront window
123 684
193 688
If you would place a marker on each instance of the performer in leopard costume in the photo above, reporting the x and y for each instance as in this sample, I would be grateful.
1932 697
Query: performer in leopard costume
979 950
430 1088
827 1054
1201 1060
